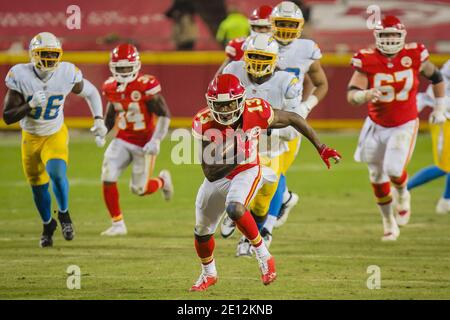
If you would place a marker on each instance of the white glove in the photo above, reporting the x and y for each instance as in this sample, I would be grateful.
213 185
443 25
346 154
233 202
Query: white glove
373 95
99 128
100 141
152 147
307 105
38 99
438 114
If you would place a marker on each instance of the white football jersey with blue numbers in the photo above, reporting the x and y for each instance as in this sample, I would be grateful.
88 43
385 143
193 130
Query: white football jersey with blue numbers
297 57
48 119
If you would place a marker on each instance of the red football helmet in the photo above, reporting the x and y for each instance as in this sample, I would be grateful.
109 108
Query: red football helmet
125 57
261 16
390 35
226 98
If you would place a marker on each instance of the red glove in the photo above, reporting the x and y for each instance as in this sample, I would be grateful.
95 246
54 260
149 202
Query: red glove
326 153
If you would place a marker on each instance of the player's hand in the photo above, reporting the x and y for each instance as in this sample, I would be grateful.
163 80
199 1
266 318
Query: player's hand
326 153
438 115
100 141
152 147
38 99
99 128
373 95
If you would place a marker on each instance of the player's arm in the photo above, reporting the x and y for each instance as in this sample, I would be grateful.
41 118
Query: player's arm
222 66
319 80
15 107
282 119
358 92
89 92
211 169
110 118
158 105
432 73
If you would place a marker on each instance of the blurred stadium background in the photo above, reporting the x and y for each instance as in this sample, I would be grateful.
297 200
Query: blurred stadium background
338 26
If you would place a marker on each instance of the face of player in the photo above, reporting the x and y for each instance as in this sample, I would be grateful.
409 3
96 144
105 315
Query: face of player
286 24
49 58
226 110
261 29
390 35
124 70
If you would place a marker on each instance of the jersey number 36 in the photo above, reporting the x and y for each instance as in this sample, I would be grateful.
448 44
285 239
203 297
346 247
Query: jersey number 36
50 111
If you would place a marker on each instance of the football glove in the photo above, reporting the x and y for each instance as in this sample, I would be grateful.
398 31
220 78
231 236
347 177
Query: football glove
326 153
38 99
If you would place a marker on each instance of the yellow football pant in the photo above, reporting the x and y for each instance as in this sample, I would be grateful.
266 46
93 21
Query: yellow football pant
37 150
440 136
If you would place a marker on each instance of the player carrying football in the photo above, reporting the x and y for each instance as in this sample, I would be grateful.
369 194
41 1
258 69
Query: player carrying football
387 78
35 97
231 185
134 100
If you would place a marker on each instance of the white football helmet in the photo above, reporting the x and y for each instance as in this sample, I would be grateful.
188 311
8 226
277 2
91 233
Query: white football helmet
260 55
45 51
287 22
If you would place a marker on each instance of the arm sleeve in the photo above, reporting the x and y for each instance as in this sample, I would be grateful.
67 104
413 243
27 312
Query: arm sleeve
161 129
92 97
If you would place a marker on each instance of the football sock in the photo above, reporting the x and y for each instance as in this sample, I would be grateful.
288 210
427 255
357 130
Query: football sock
277 199
111 196
43 202
246 224
153 185
446 194
270 223
286 195
425 175
57 170
400 182
382 193
205 251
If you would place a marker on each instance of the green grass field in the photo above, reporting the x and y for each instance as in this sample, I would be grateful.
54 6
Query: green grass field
323 251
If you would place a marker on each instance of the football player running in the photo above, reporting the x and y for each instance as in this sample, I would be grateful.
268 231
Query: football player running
35 97
387 79
233 174
259 23
440 134
134 99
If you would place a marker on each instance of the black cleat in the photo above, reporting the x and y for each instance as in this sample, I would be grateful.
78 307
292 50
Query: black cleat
47 234
66 225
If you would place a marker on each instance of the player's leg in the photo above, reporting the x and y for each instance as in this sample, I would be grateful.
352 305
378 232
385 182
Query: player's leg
242 190
209 206
399 149
142 183
440 135
34 170
425 175
117 157
289 199
382 191
55 155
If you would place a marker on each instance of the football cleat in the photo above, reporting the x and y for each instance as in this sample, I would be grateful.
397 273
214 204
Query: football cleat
227 226
266 236
267 267
402 207
443 206
47 234
167 189
244 248
204 282
66 225
117 229
286 208
391 231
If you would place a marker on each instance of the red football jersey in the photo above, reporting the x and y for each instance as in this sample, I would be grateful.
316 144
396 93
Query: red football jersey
397 78
257 115
135 123
234 49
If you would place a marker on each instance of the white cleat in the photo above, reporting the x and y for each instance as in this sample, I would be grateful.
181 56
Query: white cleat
391 230
266 236
402 207
227 226
167 189
286 208
244 248
117 229
443 206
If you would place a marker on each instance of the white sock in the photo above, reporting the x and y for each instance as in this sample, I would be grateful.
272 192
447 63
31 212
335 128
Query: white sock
119 223
270 222
286 195
261 251
388 215
401 191
210 268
